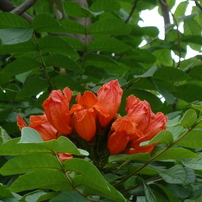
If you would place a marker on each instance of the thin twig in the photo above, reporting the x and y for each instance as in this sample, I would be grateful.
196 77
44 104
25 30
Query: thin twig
132 10
198 5
23 7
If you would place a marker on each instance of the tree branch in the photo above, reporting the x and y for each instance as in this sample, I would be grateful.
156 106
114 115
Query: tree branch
132 11
23 7
7 6
165 11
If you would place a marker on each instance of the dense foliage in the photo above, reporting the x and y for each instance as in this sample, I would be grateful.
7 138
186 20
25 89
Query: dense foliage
51 44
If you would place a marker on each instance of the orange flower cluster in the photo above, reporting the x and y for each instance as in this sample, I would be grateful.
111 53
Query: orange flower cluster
92 111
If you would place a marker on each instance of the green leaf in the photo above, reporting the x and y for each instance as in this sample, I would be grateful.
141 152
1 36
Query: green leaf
111 45
20 65
89 171
150 197
191 27
175 175
4 136
44 179
56 44
46 23
72 26
196 72
11 36
63 145
141 55
30 135
124 157
189 118
115 27
189 92
28 46
195 164
105 5
4 192
148 73
199 107
28 89
163 57
12 20
170 74
64 80
176 153
12 148
169 193
63 62
70 195
30 162
192 140
75 10
163 137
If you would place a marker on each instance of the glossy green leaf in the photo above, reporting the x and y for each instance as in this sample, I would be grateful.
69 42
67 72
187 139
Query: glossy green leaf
44 179
124 157
163 57
164 137
30 135
11 36
21 65
115 27
57 45
30 162
111 45
50 25
191 27
175 175
12 20
176 153
189 118
62 61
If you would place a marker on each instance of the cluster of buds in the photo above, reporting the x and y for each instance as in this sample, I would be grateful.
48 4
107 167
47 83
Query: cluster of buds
95 115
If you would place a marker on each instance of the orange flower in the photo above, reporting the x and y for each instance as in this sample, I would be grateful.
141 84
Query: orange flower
139 125
109 97
124 130
156 124
56 107
41 124
84 115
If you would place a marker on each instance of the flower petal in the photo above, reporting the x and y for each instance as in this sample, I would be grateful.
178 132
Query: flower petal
109 97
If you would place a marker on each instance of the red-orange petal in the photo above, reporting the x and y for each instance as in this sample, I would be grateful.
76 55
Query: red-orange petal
109 97
20 122
117 142
64 156
56 107
85 123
